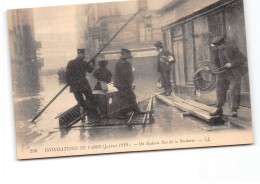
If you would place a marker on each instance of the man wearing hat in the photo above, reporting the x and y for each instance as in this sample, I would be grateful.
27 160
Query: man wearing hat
165 60
103 75
79 86
123 81
233 65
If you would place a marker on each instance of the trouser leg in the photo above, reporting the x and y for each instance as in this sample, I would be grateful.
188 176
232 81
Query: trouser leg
235 85
237 93
123 102
132 101
80 99
91 98
167 81
161 79
221 90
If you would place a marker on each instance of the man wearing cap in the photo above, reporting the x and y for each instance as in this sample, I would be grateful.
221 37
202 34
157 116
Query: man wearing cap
234 65
123 81
165 60
79 86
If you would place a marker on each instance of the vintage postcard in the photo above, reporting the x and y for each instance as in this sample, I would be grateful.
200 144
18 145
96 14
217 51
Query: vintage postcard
129 76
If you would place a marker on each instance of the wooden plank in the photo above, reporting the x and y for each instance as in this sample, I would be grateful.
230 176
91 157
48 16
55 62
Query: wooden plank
201 106
237 122
149 109
196 104
204 115
170 102
146 111
176 98
214 128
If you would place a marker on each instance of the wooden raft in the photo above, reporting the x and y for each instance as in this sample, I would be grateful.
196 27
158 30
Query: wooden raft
107 103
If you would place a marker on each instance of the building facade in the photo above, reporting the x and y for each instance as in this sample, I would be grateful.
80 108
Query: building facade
24 52
188 28
102 21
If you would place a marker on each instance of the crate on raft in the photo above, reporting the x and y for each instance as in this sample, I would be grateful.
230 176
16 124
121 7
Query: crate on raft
107 102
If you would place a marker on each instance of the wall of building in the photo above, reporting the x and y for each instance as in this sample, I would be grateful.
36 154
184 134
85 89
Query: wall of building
23 57
183 8
107 18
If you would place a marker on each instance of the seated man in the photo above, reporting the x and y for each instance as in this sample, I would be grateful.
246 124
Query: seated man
103 75
123 81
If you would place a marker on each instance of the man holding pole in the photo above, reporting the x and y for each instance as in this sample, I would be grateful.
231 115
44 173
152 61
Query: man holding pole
79 86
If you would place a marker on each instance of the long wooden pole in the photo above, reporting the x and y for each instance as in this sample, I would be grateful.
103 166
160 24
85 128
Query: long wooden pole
37 115
94 57
116 34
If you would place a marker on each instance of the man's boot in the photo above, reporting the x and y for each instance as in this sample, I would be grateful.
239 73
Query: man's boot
218 112
234 114
168 93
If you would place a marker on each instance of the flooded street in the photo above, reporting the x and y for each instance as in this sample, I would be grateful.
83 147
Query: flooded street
166 120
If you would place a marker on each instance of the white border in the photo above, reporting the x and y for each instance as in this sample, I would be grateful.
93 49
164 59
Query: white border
234 164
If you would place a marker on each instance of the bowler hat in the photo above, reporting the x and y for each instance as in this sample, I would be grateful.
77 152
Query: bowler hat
125 51
158 44
81 51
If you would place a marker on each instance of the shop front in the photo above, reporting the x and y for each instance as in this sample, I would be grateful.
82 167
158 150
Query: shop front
189 37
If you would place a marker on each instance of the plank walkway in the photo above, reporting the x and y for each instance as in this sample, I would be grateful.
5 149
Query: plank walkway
202 111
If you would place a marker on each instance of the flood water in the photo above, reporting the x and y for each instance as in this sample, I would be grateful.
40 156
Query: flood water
166 120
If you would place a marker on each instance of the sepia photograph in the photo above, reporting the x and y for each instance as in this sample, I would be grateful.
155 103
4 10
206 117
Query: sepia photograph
129 76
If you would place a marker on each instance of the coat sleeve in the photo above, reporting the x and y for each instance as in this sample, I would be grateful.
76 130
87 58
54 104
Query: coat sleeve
128 75
234 56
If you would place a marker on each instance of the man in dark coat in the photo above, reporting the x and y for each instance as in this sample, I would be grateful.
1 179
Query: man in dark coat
234 63
79 86
165 60
123 81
